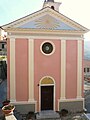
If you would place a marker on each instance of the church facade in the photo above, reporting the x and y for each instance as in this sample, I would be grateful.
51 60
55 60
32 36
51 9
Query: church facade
45 61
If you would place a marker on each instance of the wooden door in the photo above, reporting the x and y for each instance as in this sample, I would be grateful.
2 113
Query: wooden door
47 97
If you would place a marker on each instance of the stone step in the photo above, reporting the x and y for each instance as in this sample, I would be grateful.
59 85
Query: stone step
47 119
48 114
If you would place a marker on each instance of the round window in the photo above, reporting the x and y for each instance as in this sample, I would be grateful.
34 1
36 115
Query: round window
47 47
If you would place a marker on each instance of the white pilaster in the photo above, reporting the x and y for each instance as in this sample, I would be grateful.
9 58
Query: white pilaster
31 69
63 68
12 71
79 70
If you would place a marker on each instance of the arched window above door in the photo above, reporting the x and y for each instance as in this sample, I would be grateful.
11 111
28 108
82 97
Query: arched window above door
47 80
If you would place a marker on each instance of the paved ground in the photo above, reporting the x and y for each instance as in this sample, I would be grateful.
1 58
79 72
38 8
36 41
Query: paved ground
68 117
49 114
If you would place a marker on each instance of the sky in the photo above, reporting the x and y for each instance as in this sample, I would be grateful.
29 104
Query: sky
77 10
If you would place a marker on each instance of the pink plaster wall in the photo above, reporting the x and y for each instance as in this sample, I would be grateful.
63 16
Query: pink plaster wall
44 66
8 68
47 66
71 69
21 52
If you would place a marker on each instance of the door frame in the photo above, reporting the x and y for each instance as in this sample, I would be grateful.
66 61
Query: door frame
40 85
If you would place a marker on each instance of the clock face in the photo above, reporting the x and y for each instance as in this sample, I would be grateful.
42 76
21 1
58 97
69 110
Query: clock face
47 48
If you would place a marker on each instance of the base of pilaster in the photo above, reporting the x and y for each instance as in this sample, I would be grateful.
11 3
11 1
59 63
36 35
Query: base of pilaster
72 105
25 106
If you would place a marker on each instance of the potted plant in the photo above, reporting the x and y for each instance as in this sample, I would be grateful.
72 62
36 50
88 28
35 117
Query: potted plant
6 102
7 109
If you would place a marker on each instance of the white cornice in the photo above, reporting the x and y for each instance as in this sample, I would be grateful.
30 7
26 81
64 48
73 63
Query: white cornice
47 36
44 31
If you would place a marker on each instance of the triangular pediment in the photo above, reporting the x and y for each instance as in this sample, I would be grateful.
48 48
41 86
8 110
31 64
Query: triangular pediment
46 19
47 22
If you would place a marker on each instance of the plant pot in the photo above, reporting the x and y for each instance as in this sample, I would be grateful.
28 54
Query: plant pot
7 109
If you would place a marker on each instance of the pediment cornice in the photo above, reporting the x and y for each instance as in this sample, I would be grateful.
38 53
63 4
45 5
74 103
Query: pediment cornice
42 13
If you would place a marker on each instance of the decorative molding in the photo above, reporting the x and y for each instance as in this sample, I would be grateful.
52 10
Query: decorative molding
79 69
52 45
47 22
24 102
31 69
46 36
71 100
63 69
12 70
43 31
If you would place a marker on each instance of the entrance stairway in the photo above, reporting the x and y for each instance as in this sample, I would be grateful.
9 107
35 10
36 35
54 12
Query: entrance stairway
48 115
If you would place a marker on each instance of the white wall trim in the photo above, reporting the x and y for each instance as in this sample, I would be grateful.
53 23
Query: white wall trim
35 36
31 69
52 45
71 100
79 69
12 70
63 68
24 102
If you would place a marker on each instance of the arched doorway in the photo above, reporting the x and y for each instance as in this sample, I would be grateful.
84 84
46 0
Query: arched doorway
47 93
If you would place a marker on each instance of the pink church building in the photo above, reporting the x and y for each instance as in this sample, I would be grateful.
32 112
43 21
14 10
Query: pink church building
45 61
